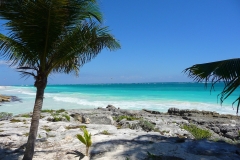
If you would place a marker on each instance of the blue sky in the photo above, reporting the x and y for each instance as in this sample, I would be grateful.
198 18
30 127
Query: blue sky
159 39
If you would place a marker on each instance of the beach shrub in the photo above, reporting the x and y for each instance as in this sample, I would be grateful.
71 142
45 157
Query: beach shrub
5 115
198 133
15 120
85 139
67 117
60 110
46 128
146 125
105 132
75 127
47 111
129 118
56 119
26 134
25 115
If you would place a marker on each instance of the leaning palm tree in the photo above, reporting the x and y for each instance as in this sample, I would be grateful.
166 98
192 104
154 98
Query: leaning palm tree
51 36
227 71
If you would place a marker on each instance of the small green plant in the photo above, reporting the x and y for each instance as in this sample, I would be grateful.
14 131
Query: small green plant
146 125
82 127
238 133
60 110
67 117
5 115
26 134
46 128
156 130
198 133
47 111
85 139
56 119
129 118
15 120
105 132
25 115
75 127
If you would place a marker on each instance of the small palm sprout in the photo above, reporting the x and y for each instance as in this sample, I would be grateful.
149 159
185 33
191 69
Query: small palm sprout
85 139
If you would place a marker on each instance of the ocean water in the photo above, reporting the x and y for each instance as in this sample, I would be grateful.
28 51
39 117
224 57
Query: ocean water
153 96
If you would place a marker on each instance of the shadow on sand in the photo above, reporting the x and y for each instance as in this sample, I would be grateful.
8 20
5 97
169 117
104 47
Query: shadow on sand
154 147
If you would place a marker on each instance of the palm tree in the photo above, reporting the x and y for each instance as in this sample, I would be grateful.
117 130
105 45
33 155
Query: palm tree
85 139
227 71
51 36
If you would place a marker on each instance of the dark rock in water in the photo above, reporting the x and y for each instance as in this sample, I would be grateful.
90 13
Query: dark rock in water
9 99
152 112
14 99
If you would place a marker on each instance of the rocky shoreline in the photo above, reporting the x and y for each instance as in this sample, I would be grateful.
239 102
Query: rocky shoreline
124 134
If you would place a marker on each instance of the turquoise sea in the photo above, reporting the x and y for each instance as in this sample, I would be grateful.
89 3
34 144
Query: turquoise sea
153 96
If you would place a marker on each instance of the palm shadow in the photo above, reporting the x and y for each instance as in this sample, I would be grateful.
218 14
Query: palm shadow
77 154
151 147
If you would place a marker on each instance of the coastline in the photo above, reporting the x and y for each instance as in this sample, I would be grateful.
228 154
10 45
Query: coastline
126 137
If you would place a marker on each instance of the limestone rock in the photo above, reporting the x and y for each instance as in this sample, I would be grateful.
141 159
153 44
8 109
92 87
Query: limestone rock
101 119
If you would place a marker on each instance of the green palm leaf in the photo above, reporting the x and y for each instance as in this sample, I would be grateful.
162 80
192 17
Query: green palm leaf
227 71
51 36
82 139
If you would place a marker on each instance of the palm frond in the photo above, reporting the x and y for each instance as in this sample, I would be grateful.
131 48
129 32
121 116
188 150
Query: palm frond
81 45
227 71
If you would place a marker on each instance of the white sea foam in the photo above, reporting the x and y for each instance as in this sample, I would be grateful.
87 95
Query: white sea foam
79 100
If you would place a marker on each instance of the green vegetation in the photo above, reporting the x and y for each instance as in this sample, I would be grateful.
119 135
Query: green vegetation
83 127
85 139
26 134
1 130
129 118
58 115
4 115
25 115
105 132
226 71
15 120
47 111
51 36
67 117
60 110
46 128
198 133
146 125
75 127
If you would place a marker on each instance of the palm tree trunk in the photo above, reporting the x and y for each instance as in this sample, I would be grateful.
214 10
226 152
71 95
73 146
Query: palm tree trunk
41 85
87 148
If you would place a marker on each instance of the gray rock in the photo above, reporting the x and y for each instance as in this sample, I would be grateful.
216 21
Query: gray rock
232 135
101 119
130 124
215 129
